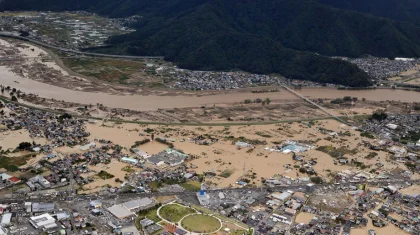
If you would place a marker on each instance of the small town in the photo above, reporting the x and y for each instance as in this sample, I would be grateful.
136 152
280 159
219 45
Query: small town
210 117
167 191
72 30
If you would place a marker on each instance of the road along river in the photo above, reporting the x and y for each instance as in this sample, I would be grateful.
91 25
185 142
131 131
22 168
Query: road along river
154 102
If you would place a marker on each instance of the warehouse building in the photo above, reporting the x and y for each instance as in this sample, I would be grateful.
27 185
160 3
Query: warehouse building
127 209
44 222
42 207
169 156
120 211
138 204
130 160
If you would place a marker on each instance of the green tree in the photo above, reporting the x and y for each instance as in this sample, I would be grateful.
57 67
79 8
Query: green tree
316 180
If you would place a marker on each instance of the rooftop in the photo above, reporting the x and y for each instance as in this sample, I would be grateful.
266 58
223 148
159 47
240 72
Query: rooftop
134 204
169 156
119 211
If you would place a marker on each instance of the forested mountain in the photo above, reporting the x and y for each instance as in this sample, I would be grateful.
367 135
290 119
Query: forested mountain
400 10
290 37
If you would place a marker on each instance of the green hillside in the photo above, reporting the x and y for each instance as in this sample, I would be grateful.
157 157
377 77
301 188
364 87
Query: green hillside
290 37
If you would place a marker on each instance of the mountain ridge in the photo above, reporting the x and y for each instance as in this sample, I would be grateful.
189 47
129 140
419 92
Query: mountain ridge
292 37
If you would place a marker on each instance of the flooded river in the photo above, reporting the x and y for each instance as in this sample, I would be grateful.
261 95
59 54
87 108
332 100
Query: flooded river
154 102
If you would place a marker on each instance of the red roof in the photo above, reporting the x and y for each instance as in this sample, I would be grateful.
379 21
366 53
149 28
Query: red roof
14 179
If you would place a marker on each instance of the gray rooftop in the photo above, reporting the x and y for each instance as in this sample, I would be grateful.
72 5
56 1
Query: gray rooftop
134 204
38 207
168 158
119 211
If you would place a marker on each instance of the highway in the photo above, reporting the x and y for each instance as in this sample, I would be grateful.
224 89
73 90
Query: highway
129 196
22 58
77 52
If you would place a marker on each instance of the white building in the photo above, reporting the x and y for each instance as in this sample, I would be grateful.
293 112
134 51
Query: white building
139 203
5 219
39 179
310 188
141 153
44 221
95 204
203 198
88 146
392 126
282 196
130 160
120 212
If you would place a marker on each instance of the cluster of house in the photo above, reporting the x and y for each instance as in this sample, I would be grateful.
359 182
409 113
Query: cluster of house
319 224
7 180
107 150
38 218
360 175
209 80
401 210
286 205
384 206
81 34
290 146
59 130
382 68
204 140
401 129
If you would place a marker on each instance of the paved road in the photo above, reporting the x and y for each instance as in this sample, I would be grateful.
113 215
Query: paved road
128 196
11 35
20 58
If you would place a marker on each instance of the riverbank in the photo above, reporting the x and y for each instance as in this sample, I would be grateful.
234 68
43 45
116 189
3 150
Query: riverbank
155 102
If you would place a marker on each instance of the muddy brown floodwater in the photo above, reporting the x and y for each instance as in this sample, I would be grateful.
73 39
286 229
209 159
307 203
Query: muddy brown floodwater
154 102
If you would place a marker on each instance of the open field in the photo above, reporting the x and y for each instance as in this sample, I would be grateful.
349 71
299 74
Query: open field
200 223
304 217
411 77
129 72
12 164
191 185
11 139
229 222
150 214
174 212
110 172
